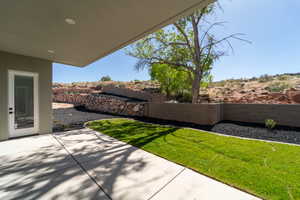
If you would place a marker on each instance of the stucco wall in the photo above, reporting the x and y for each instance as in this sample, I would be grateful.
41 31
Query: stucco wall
209 114
22 63
157 98
204 114
287 115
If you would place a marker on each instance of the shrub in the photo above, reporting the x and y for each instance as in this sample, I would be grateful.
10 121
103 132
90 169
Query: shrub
265 78
184 96
284 77
105 78
270 124
253 79
278 87
172 81
218 84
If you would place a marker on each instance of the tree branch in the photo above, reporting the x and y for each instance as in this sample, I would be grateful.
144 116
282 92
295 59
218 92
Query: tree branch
234 36
209 28
200 16
184 35
172 64
196 40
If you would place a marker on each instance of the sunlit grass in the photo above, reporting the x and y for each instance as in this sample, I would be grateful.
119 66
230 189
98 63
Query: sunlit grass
269 170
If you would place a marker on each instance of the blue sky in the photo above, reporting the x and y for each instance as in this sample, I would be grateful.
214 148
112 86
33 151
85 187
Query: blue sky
271 26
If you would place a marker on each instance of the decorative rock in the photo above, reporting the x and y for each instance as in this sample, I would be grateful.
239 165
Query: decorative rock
136 108
294 95
103 103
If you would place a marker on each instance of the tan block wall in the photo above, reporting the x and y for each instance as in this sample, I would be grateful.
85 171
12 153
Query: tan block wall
209 114
287 115
134 94
204 114
10 61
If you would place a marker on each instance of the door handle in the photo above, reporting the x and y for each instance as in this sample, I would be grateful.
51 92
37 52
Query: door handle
11 112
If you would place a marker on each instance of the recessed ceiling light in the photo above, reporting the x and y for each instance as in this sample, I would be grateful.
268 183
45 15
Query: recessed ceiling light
50 51
70 21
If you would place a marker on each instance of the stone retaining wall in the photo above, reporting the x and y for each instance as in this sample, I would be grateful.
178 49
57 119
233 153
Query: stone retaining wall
103 103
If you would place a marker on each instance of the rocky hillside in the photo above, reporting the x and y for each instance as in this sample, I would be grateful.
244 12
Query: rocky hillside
147 86
278 89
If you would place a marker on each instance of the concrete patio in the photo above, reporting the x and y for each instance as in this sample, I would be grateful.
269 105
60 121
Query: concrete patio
84 164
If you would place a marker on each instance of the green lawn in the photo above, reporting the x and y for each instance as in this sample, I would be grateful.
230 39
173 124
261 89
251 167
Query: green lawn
269 170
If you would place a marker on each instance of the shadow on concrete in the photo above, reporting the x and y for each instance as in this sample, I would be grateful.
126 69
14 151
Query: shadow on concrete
89 170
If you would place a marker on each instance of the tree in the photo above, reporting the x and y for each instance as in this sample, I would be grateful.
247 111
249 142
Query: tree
172 82
105 78
188 45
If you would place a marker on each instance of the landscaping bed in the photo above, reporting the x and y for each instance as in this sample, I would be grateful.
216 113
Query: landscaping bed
257 131
268 170
68 117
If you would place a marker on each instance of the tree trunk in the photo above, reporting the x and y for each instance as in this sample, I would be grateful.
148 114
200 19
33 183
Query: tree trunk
196 88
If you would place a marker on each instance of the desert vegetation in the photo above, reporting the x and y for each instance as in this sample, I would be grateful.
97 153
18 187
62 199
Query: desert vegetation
282 89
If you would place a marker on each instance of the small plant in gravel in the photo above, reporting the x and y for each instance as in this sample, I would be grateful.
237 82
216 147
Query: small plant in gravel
270 124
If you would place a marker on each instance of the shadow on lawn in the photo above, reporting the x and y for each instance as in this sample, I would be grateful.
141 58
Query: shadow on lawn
135 133
49 172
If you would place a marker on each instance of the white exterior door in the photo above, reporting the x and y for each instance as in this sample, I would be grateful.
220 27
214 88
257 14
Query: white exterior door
23 103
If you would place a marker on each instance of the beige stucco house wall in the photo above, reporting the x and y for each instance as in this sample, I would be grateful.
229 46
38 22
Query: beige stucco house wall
10 61
56 31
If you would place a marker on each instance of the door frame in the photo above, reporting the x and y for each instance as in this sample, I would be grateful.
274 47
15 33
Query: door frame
11 101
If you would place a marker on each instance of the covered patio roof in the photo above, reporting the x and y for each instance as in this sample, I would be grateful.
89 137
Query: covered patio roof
80 32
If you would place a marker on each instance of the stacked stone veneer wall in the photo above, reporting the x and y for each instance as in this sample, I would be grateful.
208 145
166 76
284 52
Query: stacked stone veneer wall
146 96
103 103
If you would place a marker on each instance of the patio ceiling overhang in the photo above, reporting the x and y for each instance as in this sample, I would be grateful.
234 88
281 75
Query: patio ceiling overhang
79 32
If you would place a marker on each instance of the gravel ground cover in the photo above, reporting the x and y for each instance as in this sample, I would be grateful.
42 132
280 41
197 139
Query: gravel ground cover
285 134
66 117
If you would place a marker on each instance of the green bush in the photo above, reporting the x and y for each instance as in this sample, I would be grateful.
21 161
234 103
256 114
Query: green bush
284 77
270 124
265 78
184 96
172 82
278 87
105 78
218 84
